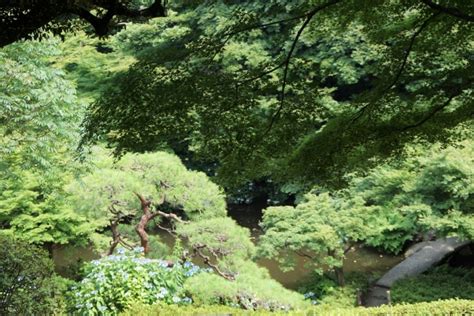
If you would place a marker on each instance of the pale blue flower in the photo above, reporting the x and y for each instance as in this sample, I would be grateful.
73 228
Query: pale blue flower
187 300
162 294
138 250
121 251
102 308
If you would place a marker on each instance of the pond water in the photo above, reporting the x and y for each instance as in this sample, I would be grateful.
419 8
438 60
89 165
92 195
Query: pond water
358 259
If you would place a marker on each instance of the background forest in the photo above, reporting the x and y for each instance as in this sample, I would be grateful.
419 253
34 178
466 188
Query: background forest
186 157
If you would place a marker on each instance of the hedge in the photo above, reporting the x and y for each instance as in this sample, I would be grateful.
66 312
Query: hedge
446 307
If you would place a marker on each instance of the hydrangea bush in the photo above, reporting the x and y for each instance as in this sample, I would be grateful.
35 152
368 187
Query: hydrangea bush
113 283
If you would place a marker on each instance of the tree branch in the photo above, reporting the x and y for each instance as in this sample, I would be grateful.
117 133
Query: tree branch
286 63
348 248
168 230
435 110
264 73
116 236
303 254
399 73
147 216
408 50
450 11
207 260
259 26
169 216
22 18
145 204
100 25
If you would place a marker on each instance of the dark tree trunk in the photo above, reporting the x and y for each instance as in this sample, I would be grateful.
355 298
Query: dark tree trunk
141 226
49 246
140 229
340 276
115 237
147 216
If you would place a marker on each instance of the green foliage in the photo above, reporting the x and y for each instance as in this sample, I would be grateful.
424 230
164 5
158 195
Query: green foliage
429 193
39 112
253 289
171 310
116 282
425 193
28 285
323 290
90 62
221 239
265 90
440 283
39 120
140 39
154 175
207 233
447 307
33 208
316 287
318 228
236 83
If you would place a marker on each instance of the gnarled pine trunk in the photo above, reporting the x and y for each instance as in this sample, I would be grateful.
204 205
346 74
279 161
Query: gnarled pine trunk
141 226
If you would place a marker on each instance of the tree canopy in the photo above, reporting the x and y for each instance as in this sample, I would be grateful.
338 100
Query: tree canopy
296 91
39 116
429 196
348 123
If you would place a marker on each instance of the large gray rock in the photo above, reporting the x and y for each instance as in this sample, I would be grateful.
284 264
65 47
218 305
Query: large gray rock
425 257
415 248
421 257
377 296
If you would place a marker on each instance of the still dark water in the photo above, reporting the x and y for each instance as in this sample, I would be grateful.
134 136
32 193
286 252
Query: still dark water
358 259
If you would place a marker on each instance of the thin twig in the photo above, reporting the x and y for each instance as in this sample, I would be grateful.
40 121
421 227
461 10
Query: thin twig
207 260
302 254
399 73
169 230
309 16
409 49
435 110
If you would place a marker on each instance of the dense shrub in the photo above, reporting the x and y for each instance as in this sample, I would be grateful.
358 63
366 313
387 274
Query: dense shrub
448 307
173 310
113 283
441 282
324 290
253 289
221 239
28 285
